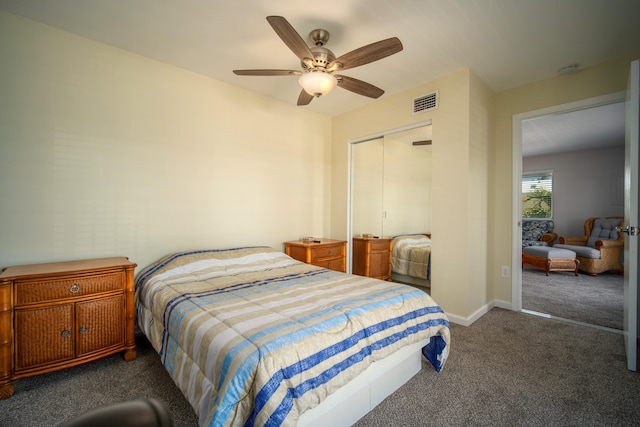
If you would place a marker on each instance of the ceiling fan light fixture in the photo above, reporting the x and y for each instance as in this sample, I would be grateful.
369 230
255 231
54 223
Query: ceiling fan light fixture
318 62
317 83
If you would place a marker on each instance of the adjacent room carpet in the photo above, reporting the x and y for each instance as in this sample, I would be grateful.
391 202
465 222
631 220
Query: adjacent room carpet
507 369
597 300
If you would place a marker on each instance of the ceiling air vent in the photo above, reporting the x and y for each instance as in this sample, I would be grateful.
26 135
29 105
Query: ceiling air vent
425 102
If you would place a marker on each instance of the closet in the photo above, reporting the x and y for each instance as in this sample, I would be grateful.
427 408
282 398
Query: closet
390 195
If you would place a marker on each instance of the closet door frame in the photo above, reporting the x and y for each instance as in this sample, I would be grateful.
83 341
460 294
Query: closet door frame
350 145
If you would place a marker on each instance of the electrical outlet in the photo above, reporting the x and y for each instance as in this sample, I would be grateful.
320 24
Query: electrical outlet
505 271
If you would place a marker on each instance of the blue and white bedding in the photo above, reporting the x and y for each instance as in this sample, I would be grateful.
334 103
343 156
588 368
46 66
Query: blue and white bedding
411 255
254 337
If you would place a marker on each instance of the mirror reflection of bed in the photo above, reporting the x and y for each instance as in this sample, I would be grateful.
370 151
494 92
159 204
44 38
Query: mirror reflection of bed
391 198
411 260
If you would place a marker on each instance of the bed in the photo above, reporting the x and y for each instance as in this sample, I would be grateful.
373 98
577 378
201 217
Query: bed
253 337
411 259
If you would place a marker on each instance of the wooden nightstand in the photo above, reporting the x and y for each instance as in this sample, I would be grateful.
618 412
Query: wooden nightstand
62 314
327 253
372 257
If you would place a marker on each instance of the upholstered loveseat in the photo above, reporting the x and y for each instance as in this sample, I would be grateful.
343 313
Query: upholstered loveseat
600 249
538 232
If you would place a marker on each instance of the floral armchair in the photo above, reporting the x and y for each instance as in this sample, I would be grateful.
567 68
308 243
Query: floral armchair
600 249
538 232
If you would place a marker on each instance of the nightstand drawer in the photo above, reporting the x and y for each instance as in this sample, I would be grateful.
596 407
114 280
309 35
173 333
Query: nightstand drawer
327 252
70 287
335 264
379 245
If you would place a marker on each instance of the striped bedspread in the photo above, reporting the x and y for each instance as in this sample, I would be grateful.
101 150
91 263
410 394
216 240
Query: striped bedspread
254 337
411 255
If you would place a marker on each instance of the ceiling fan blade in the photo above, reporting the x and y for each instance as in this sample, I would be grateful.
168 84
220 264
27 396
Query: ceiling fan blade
304 98
290 37
366 54
267 72
359 87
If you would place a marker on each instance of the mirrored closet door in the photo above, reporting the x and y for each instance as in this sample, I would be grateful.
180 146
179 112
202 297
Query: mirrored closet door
391 184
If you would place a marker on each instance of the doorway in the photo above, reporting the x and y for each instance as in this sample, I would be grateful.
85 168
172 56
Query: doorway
521 122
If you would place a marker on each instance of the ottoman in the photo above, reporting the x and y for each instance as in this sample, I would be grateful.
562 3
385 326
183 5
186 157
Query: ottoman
548 258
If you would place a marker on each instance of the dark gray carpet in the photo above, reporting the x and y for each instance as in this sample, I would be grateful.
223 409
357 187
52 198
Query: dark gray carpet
507 369
515 369
597 300
49 399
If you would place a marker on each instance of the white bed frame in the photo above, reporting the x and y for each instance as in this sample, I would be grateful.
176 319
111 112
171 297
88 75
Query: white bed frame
360 395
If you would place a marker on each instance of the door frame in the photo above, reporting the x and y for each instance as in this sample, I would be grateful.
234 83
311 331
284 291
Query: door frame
631 321
516 188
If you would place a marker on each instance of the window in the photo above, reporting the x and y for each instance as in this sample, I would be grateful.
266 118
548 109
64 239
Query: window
537 194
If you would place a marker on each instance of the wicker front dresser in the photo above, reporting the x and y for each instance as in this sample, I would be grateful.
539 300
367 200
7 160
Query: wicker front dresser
327 253
57 315
372 257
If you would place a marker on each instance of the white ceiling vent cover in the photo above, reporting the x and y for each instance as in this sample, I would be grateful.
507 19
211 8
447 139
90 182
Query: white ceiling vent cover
425 102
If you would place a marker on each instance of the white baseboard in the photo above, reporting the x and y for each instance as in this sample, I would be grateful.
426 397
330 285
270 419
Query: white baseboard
468 321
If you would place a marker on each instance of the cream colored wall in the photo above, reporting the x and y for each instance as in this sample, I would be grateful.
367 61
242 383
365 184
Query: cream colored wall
106 153
481 135
454 274
588 83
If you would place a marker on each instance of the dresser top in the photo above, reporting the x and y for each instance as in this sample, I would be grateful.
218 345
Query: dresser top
321 242
64 267
373 238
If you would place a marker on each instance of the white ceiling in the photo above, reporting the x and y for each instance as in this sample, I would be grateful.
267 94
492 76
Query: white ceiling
507 43
591 128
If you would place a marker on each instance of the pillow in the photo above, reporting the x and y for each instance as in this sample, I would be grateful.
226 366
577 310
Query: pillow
189 262
604 229
534 229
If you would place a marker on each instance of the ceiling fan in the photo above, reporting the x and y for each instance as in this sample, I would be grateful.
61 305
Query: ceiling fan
319 63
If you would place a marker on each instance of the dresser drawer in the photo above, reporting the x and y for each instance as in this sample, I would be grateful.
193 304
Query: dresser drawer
326 252
378 245
70 287
336 264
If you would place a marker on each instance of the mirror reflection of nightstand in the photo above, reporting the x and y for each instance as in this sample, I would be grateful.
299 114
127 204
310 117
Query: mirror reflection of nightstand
372 257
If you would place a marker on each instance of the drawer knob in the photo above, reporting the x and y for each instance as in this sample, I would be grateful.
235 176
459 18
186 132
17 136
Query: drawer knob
84 330
74 289
66 333
330 252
